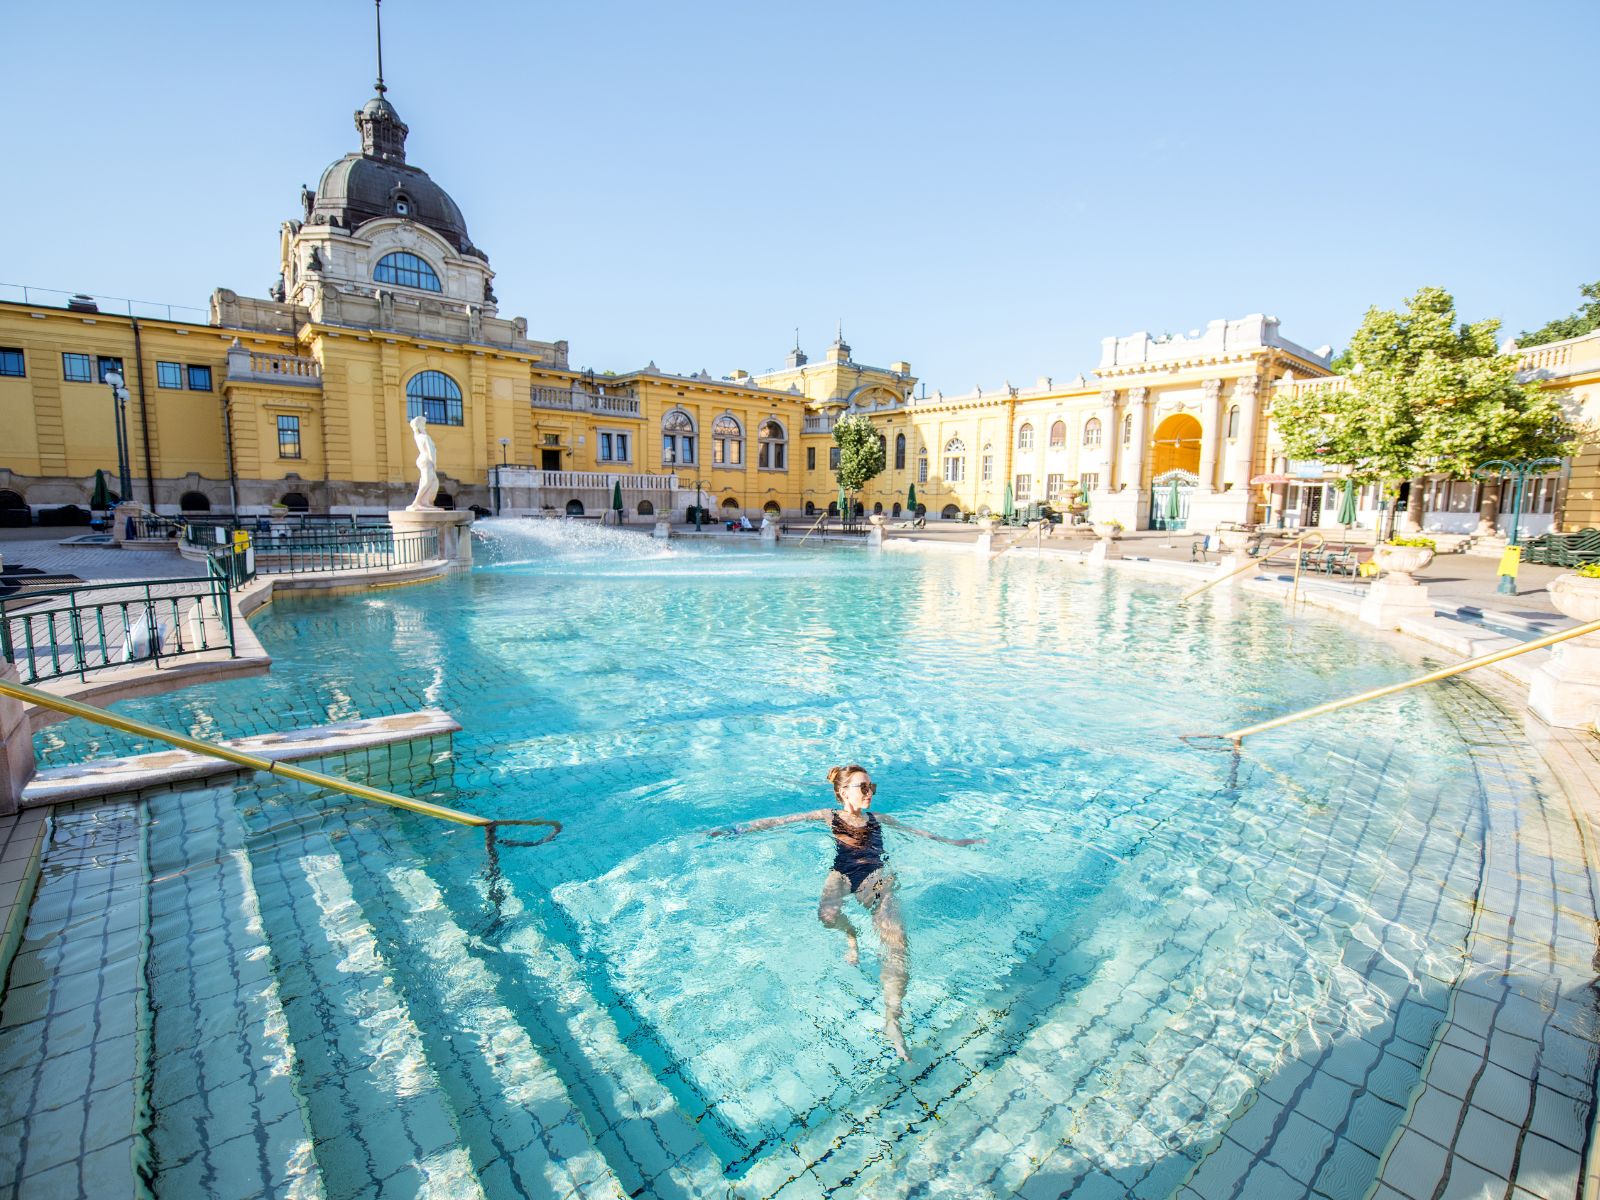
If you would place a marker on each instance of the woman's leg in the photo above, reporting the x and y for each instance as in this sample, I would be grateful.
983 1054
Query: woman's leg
830 911
877 893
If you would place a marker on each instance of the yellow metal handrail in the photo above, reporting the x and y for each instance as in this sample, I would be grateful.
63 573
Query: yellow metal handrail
100 716
1238 735
1251 565
1299 565
812 530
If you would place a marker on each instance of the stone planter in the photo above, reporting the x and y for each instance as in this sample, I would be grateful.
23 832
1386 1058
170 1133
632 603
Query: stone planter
663 528
985 524
1401 561
1576 596
1106 531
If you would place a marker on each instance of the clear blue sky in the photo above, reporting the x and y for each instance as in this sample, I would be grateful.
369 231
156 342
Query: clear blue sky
985 190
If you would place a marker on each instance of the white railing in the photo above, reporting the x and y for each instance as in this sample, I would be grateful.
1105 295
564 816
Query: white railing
1545 358
254 366
527 477
819 424
611 404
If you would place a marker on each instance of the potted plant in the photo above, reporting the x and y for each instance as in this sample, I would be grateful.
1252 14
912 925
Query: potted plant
1401 556
1109 531
1577 593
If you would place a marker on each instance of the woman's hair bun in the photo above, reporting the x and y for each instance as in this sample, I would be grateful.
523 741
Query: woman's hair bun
835 774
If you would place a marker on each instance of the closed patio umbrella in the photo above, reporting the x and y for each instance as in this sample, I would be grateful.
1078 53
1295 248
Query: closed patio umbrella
1008 506
102 493
1174 506
1347 506
911 499
616 499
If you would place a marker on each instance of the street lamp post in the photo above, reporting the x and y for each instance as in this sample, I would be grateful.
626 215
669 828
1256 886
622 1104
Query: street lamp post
1498 468
119 410
499 481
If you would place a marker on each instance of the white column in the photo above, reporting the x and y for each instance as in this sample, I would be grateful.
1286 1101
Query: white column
1247 395
1108 438
1138 407
1210 417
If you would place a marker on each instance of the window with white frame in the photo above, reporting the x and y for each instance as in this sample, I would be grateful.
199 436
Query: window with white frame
1233 421
1090 482
1023 491
677 438
922 466
1055 486
1025 436
986 464
1091 432
615 446
833 458
1127 430
727 441
1058 435
772 446
955 461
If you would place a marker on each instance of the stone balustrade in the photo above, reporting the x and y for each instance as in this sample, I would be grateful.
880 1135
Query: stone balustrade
609 404
256 366
530 477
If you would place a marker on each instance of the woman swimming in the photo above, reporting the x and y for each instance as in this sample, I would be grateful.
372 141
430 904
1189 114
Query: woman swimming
859 870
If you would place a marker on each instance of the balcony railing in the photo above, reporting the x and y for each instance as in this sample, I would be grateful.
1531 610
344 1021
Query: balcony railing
610 404
823 424
529 477
254 366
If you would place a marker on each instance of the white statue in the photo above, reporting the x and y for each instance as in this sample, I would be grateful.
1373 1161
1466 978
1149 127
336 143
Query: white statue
427 460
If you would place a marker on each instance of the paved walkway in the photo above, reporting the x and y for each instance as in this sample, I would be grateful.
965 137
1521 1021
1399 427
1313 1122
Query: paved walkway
41 550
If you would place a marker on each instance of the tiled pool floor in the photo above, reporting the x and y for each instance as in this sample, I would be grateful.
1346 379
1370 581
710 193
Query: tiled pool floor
196 1012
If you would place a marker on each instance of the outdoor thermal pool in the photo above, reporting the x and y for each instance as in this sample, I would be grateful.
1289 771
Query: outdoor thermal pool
1163 968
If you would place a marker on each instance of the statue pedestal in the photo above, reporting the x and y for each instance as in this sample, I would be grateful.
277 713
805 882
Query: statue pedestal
663 529
1226 566
455 531
16 746
770 532
1566 690
875 531
1395 598
119 519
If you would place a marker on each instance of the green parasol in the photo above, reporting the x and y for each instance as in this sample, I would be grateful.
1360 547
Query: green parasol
1174 506
616 495
844 503
102 493
1008 507
911 499
1347 506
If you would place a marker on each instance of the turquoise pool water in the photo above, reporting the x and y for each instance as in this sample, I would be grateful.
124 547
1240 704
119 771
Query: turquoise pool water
1150 936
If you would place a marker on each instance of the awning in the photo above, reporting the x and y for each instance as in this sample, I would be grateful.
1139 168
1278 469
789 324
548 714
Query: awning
1260 479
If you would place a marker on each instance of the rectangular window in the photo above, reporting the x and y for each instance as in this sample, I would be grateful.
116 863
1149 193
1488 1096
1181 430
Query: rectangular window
75 368
619 443
811 458
1055 486
109 364
833 458
955 468
605 447
1024 488
988 468
288 437
1090 481
552 439
922 467
199 379
11 362
169 375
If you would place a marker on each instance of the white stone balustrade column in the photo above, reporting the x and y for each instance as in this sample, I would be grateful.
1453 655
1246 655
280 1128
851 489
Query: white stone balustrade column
1210 419
1108 439
1138 407
1247 395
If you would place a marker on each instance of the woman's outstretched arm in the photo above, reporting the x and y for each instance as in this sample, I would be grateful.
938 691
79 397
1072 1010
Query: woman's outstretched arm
885 819
819 814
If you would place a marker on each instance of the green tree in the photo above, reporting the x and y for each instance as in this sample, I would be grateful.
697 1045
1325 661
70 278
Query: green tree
1425 394
860 453
1587 318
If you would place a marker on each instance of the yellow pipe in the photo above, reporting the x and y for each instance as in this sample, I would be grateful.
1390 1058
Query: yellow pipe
1251 565
1473 664
360 790
1299 564
813 528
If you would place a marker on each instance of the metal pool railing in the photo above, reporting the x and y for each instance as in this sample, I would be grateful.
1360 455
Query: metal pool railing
58 632
301 553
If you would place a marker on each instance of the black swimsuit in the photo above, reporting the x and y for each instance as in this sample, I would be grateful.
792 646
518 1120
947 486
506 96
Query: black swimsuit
858 850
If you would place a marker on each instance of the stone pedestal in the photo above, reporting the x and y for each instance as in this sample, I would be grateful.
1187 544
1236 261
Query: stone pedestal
16 747
1227 565
119 519
1393 599
770 533
1099 552
663 529
455 531
875 531
1566 690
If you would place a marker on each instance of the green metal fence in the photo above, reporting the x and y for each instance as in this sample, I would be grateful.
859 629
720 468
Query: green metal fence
300 553
72 631
1563 549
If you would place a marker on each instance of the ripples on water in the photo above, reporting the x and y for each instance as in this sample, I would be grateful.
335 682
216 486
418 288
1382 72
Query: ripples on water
1136 901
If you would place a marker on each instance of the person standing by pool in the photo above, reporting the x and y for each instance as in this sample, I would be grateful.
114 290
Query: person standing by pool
859 870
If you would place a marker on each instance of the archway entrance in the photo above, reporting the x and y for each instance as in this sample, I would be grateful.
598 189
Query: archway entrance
1176 446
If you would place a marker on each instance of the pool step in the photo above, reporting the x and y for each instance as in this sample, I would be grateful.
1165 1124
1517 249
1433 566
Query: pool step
567 1043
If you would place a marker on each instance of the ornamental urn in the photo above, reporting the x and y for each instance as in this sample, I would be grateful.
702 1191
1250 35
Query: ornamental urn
1401 561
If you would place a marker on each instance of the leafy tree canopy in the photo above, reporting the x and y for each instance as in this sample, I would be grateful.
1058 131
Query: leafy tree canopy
1586 319
860 452
1424 394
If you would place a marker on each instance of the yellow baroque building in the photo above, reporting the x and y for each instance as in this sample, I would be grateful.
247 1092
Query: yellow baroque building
385 310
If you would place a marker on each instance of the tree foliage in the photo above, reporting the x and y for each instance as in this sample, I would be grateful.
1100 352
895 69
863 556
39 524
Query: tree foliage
1585 320
860 452
1425 394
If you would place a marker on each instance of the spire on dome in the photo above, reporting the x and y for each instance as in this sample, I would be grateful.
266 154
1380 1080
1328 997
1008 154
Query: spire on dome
383 133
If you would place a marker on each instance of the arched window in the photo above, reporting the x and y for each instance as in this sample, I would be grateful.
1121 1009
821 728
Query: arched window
811 508
407 270
194 502
646 509
950 512
922 465
1233 421
773 507
434 395
677 439
883 447
899 452
730 503
727 441
986 464
1025 436
574 508
295 502
1091 432
1127 430
14 510
1058 435
895 511
444 500
955 461
772 446
877 506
